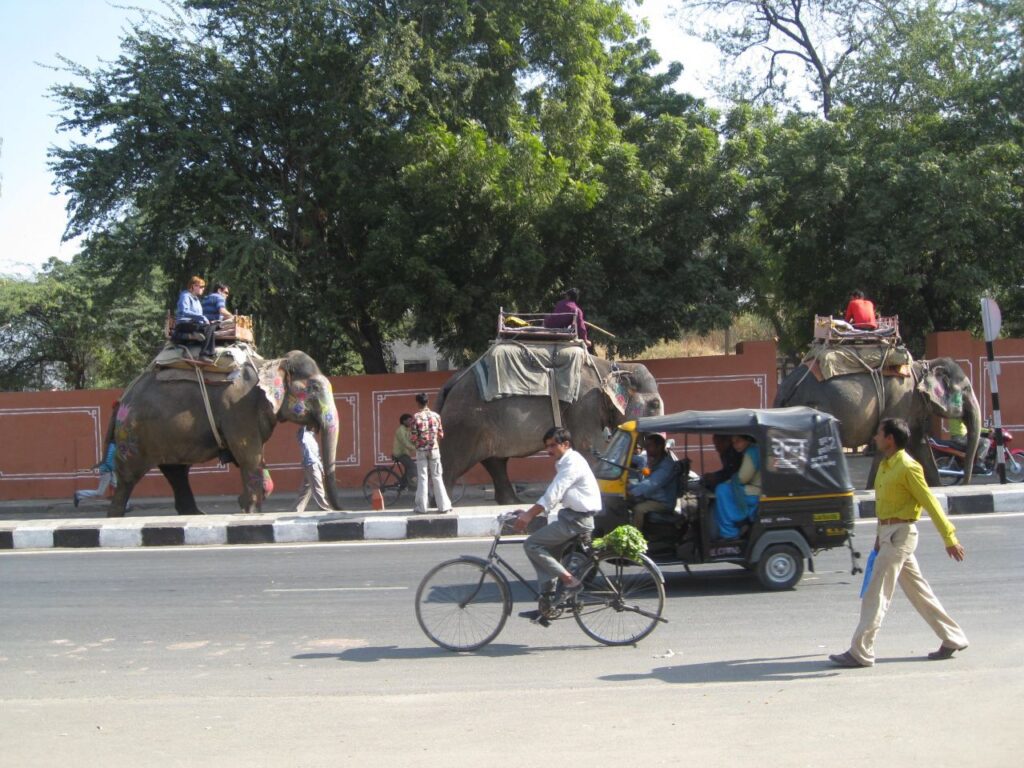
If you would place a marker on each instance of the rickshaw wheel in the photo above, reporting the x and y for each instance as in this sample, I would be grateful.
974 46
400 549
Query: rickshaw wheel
780 567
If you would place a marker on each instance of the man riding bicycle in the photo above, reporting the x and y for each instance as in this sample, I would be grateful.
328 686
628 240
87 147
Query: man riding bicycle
574 486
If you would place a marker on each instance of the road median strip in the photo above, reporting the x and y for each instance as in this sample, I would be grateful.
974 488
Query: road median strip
292 528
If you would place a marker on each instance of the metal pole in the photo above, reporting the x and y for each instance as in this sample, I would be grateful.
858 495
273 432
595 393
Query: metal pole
997 420
992 320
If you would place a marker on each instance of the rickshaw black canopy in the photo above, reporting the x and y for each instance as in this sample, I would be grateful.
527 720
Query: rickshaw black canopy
801 452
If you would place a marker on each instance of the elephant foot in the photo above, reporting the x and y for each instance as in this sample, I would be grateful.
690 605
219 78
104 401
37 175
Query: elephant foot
509 496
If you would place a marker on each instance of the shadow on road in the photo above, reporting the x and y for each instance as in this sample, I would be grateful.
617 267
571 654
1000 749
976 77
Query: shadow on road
394 653
737 671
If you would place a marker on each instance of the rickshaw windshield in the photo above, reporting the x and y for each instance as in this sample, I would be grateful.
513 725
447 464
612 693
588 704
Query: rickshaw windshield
616 456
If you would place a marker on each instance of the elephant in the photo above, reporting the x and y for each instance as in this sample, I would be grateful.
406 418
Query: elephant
510 427
936 387
165 424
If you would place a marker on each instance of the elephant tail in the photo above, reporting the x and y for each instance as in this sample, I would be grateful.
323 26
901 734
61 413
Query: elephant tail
789 386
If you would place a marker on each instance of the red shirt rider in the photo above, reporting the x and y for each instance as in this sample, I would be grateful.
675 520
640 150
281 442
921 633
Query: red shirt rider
860 312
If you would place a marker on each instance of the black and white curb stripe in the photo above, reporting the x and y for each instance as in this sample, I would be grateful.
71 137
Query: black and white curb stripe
332 527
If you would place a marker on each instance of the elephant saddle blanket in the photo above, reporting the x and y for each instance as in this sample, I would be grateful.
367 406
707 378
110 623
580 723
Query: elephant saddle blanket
512 368
828 360
176 363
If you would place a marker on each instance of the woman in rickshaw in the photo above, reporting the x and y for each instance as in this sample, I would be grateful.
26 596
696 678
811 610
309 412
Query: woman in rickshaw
736 500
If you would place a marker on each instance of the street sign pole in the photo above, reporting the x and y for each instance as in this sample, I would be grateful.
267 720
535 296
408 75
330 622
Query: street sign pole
992 320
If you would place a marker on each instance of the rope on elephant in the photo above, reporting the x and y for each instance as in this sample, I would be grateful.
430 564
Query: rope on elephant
209 411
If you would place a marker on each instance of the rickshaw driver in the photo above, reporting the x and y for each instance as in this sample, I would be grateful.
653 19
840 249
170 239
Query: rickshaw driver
656 492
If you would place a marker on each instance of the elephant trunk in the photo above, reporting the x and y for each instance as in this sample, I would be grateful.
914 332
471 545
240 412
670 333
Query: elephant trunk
329 446
972 420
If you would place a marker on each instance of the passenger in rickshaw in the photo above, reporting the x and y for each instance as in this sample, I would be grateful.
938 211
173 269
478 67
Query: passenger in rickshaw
730 458
736 500
655 490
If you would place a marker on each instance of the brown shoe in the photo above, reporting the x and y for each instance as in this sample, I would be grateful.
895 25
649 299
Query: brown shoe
944 652
845 660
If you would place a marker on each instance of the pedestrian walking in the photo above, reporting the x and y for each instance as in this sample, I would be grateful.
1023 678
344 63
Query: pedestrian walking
900 493
313 473
106 468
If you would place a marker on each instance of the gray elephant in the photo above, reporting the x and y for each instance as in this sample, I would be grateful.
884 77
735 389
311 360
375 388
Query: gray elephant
936 387
492 432
165 424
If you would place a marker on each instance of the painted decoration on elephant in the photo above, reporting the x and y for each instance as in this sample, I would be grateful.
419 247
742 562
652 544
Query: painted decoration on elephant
124 435
617 389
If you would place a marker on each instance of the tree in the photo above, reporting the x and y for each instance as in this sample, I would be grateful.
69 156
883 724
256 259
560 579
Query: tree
761 38
56 331
290 145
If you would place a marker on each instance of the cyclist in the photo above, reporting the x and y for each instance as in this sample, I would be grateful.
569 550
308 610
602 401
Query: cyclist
576 488
403 450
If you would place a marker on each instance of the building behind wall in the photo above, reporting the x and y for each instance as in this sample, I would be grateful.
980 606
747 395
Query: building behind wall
411 357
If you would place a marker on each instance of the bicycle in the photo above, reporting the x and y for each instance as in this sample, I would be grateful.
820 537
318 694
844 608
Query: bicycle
391 481
463 604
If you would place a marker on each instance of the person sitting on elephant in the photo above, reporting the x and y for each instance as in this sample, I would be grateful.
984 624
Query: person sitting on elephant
402 449
189 317
656 491
575 487
860 312
215 305
736 501
567 314
730 458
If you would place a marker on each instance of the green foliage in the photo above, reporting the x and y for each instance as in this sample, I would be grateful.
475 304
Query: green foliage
356 169
69 329
625 541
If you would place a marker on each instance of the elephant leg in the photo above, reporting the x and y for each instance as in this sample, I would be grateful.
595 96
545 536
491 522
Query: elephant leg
251 498
504 492
177 476
119 502
875 462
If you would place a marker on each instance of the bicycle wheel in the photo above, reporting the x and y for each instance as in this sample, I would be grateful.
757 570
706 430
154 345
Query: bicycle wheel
621 601
462 604
386 481
952 463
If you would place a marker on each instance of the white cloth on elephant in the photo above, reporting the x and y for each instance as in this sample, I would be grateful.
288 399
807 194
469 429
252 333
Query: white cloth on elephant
428 472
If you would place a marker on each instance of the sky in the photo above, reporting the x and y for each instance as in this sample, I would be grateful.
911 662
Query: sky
32 35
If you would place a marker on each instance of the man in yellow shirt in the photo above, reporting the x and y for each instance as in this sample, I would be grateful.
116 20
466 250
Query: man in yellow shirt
900 493
403 450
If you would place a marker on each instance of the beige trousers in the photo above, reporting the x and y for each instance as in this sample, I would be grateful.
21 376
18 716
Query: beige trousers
894 564
312 485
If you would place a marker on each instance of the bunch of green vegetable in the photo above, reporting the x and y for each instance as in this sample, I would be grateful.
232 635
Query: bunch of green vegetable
625 541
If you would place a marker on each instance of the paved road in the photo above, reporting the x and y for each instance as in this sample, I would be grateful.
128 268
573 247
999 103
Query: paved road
310 656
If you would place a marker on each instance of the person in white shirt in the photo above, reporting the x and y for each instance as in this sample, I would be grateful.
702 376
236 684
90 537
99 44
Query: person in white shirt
576 489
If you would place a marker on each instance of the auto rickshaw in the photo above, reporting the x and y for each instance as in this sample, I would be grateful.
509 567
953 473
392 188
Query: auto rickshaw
806 503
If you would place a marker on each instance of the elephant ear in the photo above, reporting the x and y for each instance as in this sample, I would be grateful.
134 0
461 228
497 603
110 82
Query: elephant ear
616 386
273 383
936 387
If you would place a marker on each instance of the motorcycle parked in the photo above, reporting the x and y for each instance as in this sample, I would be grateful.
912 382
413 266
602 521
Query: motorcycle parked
949 457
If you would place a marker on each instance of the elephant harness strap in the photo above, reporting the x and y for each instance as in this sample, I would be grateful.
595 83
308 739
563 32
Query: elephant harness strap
209 410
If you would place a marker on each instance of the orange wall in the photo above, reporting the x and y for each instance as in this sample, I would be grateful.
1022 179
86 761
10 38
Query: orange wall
50 439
